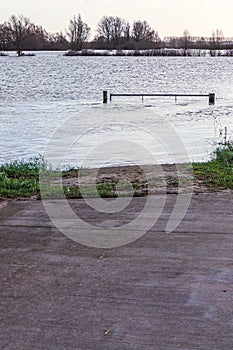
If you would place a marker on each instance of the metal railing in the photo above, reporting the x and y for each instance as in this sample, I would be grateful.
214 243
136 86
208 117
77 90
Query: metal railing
211 96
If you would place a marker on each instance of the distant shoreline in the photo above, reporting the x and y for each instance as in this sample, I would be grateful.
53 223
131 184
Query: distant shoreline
162 52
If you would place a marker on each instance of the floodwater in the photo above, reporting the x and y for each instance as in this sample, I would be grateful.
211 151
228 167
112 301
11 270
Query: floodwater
52 105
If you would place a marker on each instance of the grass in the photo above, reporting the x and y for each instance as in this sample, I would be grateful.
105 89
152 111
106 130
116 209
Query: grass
217 174
22 178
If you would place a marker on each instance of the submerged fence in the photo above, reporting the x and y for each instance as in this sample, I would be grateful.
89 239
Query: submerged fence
211 96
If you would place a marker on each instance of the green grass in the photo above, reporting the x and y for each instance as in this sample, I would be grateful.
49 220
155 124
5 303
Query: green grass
22 178
217 174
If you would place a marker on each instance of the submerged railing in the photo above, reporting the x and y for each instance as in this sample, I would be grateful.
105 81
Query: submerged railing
211 96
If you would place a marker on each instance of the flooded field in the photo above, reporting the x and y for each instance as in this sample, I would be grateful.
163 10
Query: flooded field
56 100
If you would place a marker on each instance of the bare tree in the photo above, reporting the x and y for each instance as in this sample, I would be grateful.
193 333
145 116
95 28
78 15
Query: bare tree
157 39
5 37
142 32
217 37
185 41
78 33
112 29
127 31
215 42
19 27
119 26
104 28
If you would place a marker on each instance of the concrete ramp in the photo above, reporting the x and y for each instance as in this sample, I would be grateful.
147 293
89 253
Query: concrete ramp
163 291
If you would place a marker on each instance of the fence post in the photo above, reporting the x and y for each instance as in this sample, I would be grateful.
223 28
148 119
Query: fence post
211 99
105 96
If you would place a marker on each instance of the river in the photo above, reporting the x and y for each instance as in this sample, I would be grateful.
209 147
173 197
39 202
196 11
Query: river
49 99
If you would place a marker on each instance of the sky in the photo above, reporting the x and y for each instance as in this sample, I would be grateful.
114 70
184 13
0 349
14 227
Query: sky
168 17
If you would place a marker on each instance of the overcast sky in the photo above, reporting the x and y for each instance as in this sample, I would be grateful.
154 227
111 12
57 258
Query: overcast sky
169 17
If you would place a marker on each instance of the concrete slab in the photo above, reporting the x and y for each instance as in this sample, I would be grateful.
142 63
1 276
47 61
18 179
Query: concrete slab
163 291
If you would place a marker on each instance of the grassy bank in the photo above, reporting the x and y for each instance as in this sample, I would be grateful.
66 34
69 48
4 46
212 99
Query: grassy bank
217 174
21 179
24 179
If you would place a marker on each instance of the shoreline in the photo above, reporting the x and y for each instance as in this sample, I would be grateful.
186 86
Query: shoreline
34 179
162 178
142 180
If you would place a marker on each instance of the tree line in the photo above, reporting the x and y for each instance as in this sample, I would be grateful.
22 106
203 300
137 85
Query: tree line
20 33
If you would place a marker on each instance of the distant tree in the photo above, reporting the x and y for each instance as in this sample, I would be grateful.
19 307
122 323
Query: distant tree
185 41
127 31
5 37
219 35
57 41
118 29
113 29
104 28
215 42
36 38
157 39
19 27
61 42
202 43
216 38
78 32
142 32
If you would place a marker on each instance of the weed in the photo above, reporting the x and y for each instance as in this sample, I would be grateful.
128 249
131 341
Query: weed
22 179
217 174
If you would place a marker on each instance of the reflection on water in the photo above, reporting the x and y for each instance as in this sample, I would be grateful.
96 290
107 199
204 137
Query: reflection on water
41 93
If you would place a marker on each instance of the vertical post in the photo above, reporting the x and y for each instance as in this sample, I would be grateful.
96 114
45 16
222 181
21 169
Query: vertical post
105 96
211 99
